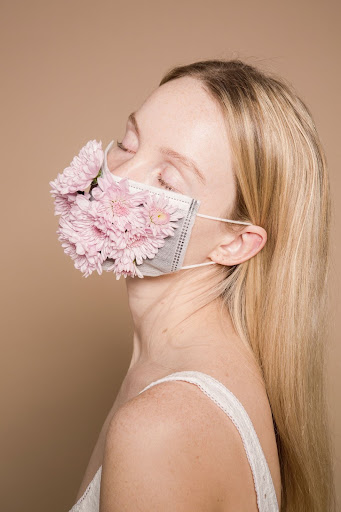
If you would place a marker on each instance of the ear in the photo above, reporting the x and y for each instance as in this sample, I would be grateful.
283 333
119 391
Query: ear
241 248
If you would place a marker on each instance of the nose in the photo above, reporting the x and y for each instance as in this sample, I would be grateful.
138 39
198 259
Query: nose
128 169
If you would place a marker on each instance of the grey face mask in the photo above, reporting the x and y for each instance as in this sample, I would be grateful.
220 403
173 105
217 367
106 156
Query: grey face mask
169 258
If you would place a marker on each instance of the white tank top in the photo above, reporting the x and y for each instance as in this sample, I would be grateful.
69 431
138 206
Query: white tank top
229 403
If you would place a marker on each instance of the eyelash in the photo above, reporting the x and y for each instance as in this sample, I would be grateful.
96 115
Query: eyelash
164 183
159 178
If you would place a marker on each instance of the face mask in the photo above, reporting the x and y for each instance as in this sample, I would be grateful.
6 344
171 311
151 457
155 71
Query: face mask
170 217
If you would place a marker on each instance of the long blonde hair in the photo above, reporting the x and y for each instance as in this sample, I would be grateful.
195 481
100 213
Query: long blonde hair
278 299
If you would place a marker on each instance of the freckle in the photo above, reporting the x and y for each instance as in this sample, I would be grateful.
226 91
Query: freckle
165 330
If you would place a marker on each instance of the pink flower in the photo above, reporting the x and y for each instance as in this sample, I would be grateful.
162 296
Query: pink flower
84 219
124 267
139 244
161 216
64 202
120 207
109 227
85 258
82 170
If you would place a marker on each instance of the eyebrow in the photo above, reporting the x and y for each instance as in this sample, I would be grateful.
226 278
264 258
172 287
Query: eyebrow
184 160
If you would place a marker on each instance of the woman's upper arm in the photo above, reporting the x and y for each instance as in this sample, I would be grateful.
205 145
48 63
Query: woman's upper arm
155 459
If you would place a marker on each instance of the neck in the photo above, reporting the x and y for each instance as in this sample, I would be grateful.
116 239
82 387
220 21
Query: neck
177 320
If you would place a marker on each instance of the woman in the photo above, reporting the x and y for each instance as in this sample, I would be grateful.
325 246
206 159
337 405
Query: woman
254 320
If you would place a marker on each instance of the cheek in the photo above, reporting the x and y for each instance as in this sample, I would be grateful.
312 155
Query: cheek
204 238
218 202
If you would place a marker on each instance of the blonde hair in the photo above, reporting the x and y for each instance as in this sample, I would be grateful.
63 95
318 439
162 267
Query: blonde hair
278 299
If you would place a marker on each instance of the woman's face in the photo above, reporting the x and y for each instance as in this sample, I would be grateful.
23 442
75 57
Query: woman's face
179 121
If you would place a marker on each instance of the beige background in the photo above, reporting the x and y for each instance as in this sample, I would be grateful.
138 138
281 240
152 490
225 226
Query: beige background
73 71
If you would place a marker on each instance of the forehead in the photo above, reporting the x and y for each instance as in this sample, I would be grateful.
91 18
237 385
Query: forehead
181 114
182 104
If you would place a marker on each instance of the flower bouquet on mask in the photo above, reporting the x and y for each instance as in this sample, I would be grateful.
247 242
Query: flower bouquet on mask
108 228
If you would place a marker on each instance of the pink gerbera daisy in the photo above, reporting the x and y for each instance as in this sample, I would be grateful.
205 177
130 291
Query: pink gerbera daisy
161 216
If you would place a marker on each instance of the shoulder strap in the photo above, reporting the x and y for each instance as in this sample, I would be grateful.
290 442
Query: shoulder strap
229 403
89 501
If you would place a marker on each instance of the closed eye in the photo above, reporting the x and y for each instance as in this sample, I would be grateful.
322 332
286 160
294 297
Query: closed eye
162 182
120 145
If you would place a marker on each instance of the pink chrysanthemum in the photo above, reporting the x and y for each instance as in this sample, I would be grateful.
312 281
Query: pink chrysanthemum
120 206
123 267
84 219
139 244
64 202
108 228
86 258
161 216
82 170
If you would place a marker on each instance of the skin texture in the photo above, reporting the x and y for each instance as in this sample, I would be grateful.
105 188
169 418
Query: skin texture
174 425
180 114
178 459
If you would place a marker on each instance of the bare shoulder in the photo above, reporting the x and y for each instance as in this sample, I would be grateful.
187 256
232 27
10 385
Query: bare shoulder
166 449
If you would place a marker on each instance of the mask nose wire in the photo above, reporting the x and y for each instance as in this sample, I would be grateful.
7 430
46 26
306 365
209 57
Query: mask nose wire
105 167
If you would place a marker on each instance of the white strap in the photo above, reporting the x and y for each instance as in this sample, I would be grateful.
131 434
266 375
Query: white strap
224 220
199 265
229 403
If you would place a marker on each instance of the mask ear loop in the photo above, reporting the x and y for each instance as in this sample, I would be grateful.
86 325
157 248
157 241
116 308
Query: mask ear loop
199 265
214 218
224 220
